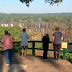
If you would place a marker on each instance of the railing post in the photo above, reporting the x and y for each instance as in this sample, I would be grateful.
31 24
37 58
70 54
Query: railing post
64 51
33 48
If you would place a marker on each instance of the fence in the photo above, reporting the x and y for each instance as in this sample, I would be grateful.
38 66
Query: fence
17 47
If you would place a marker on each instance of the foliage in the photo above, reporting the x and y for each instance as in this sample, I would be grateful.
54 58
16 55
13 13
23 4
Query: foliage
27 2
53 1
69 57
15 32
36 23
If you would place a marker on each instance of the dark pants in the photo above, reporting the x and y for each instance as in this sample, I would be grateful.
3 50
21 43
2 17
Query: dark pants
45 48
8 55
0 59
57 51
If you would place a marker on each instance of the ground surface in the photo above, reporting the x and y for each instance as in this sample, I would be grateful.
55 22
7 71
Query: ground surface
34 64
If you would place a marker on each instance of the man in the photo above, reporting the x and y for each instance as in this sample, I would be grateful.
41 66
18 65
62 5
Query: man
7 43
56 41
24 41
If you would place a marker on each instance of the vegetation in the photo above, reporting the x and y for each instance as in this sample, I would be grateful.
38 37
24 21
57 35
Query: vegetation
27 2
69 57
37 25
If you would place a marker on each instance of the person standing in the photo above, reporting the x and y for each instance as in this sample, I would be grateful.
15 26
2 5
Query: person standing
56 41
7 43
45 41
24 41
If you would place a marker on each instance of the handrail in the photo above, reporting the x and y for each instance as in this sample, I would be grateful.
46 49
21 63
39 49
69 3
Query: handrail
33 47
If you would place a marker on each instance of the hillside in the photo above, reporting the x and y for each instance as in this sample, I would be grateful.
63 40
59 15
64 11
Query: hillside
37 24
37 14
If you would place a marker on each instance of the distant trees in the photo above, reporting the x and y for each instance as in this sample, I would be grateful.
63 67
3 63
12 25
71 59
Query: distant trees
36 24
27 2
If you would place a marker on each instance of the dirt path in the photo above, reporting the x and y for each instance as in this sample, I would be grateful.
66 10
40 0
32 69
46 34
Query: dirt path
34 64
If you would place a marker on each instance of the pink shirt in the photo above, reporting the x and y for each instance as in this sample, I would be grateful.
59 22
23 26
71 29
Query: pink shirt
7 42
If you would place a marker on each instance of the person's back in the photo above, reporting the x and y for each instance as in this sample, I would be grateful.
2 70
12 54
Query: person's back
24 39
58 36
56 41
45 41
7 42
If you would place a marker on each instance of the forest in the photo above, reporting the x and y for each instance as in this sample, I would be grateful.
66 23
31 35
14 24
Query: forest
36 25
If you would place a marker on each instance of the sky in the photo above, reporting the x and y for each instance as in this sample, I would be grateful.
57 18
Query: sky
37 6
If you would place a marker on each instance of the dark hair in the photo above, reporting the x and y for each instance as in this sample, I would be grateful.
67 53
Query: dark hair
24 29
47 36
6 32
57 28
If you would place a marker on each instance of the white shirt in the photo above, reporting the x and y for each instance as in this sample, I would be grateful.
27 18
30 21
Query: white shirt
24 39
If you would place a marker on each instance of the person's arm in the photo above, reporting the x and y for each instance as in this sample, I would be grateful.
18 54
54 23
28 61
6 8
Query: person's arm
49 40
11 40
28 36
20 35
61 37
53 39
2 41
42 39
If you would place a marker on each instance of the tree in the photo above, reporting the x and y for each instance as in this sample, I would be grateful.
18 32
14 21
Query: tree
27 2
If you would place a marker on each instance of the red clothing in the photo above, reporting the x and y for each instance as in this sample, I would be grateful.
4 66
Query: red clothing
7 42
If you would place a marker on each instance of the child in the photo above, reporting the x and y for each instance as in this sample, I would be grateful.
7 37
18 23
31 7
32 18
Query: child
45 41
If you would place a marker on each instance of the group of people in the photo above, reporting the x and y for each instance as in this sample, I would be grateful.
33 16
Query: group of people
7 43
56 42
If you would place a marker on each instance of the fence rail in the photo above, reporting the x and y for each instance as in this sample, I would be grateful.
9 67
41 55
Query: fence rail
15 48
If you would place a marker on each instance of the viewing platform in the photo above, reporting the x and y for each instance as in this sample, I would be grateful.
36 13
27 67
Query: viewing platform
33 63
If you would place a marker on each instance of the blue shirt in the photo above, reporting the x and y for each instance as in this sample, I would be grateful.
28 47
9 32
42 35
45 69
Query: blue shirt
24 39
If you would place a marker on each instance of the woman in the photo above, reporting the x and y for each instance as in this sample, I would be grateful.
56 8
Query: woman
45 41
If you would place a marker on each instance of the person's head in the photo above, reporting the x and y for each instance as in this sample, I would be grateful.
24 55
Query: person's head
24 30
47 36
6 32
57 29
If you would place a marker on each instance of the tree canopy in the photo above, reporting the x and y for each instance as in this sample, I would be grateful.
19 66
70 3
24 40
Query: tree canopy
51 2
